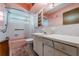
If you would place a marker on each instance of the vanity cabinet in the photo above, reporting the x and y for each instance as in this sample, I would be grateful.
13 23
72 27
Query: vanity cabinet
49 47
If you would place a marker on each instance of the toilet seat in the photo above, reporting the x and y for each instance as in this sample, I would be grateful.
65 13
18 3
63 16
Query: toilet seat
29 40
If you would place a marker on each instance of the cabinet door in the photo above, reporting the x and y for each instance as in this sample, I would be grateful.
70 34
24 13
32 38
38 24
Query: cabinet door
48 50
37 46
66 48
59 53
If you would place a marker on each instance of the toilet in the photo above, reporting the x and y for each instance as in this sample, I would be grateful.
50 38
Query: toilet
29 42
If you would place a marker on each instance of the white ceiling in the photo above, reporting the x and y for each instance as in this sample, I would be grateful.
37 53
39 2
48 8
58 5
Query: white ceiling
57 7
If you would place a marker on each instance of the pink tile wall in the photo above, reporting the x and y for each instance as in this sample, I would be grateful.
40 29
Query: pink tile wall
56 18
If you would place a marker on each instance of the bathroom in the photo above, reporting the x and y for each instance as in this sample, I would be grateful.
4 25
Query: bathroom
37 29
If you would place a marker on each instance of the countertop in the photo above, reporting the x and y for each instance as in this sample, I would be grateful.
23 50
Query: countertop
71 40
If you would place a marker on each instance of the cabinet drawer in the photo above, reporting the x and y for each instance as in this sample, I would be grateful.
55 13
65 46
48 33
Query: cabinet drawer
66 48
48 42
59 53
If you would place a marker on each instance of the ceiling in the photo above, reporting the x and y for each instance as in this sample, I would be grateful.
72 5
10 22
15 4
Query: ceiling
46 7
27 6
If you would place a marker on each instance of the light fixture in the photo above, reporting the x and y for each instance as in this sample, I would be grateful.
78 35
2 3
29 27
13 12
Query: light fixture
51 5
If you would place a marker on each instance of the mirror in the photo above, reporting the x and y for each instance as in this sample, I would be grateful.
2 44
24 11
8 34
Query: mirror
71 17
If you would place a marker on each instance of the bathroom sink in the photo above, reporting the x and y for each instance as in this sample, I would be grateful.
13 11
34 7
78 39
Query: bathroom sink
47 33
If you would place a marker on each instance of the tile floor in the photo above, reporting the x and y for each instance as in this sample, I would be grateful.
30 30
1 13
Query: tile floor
20 48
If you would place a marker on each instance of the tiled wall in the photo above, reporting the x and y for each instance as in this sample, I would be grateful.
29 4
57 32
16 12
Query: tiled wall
72 30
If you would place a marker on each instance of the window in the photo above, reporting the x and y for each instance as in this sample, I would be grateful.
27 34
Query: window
17 15
45 22
12 15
